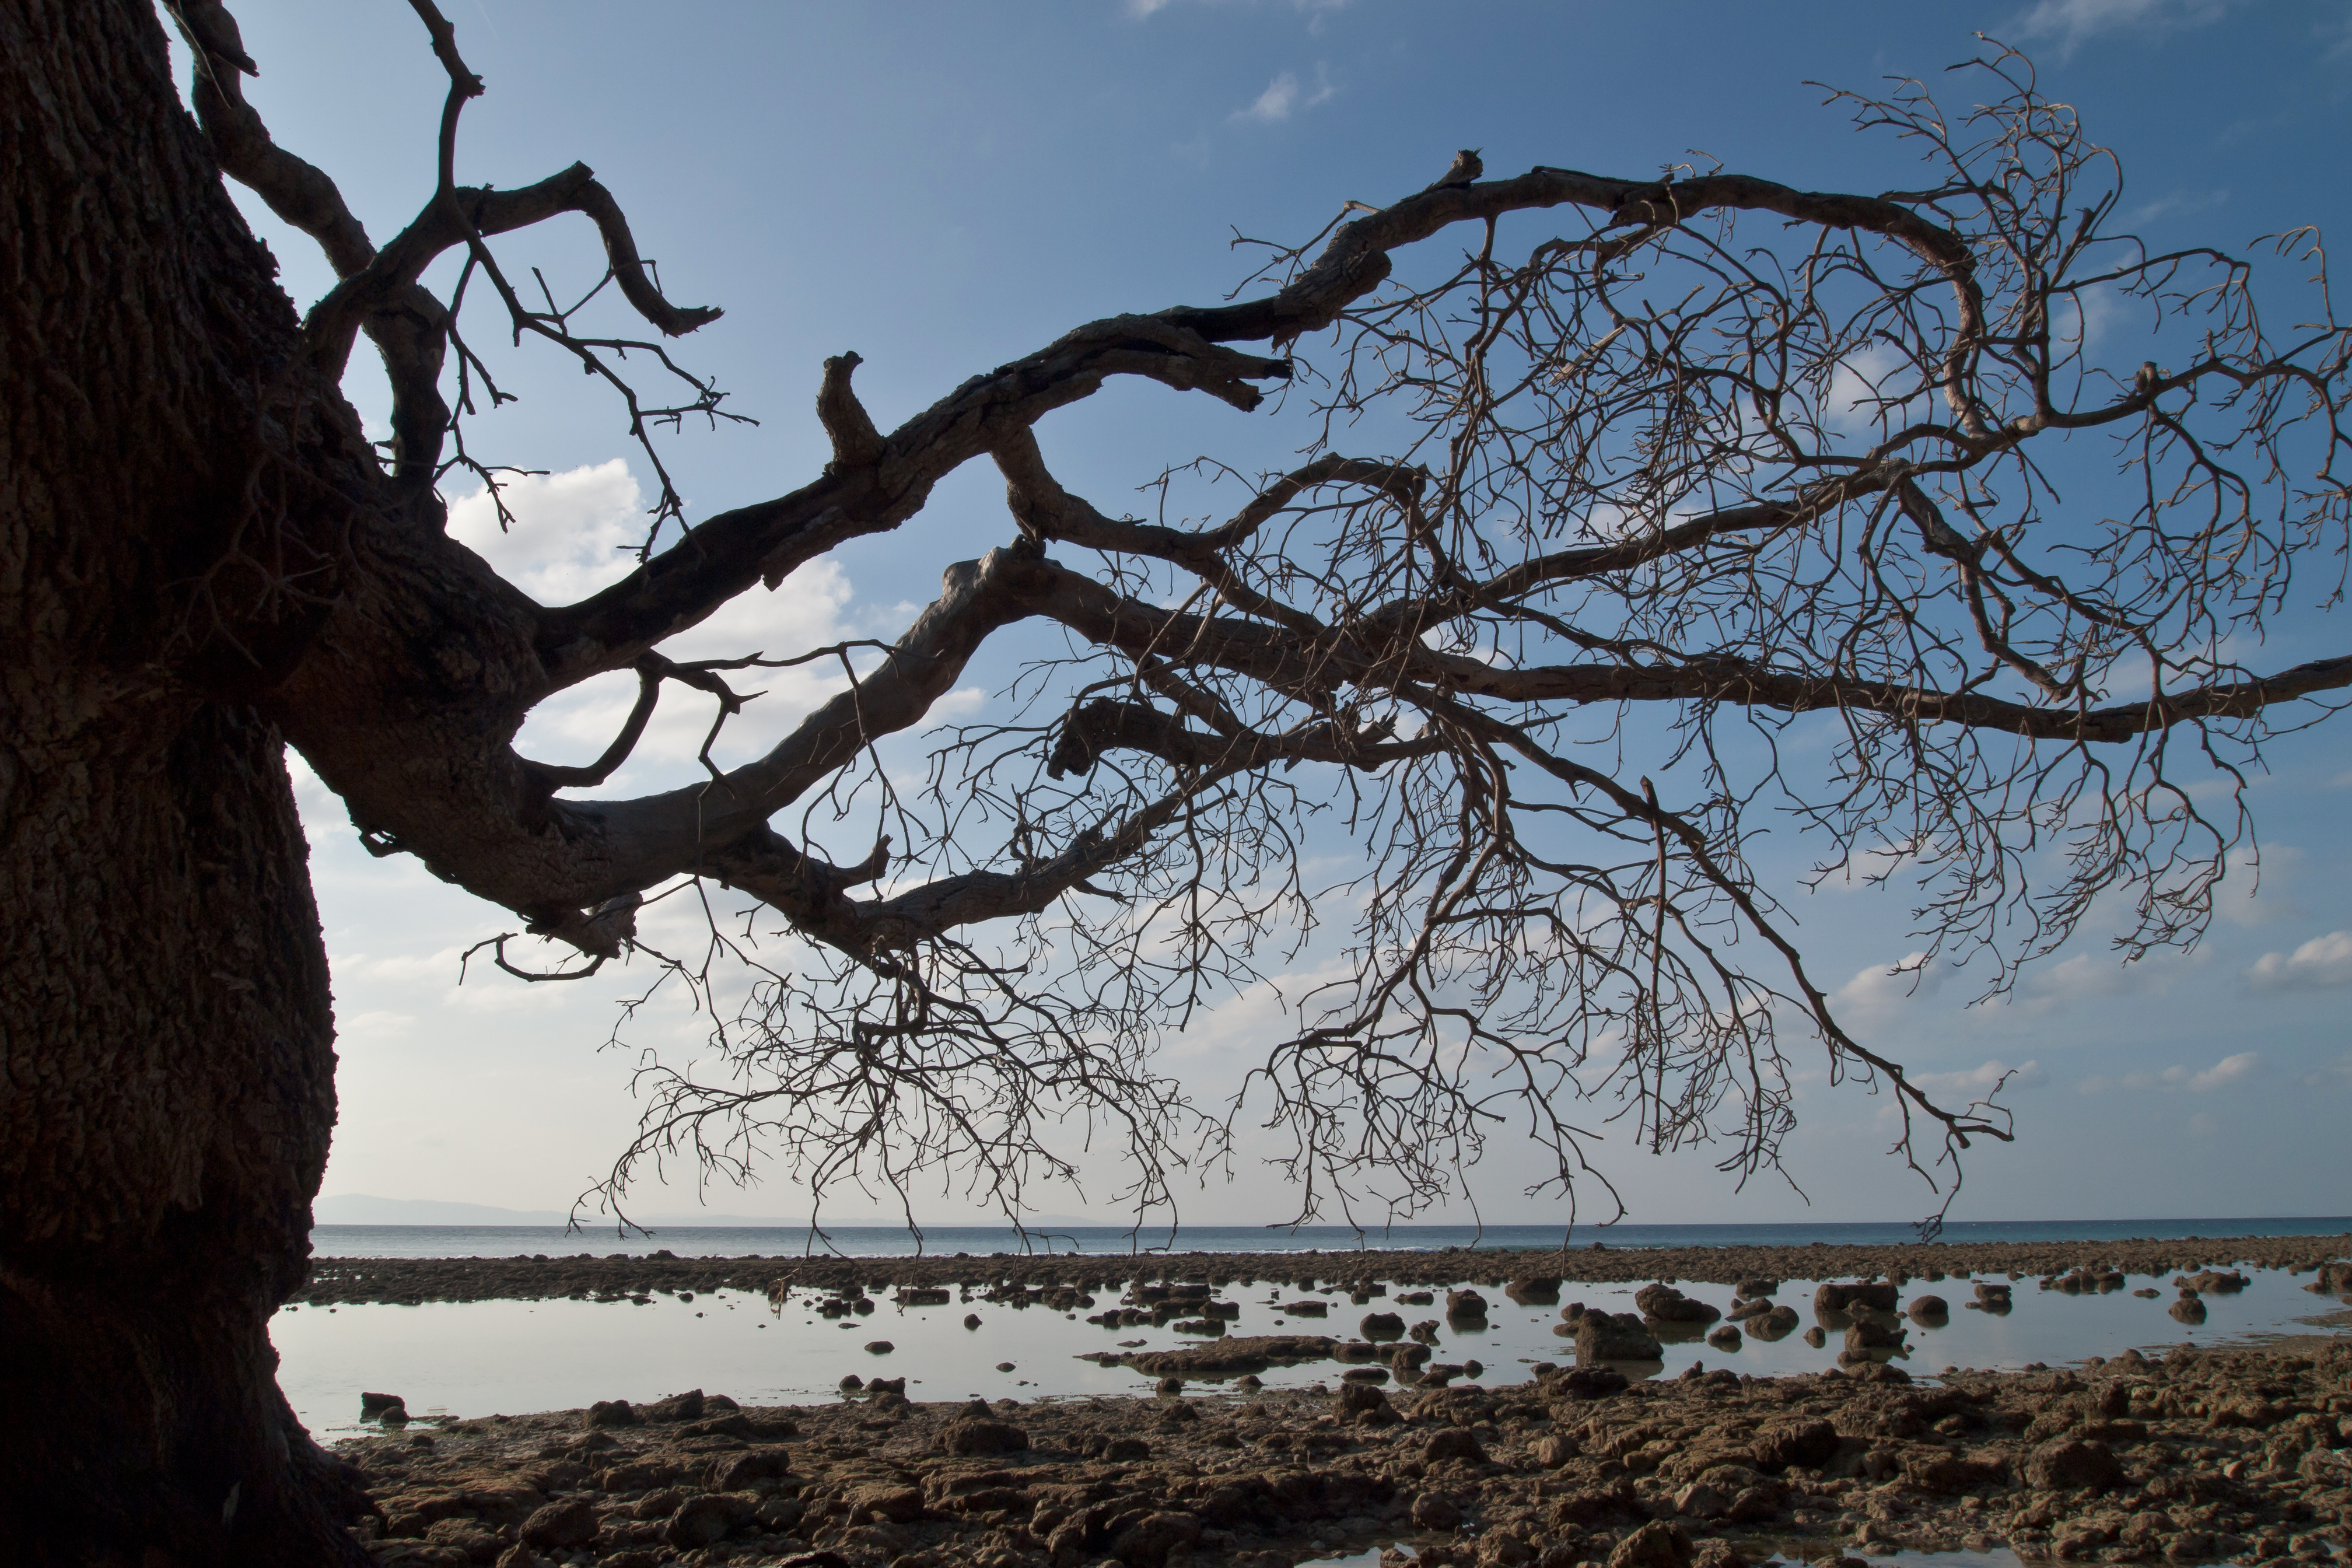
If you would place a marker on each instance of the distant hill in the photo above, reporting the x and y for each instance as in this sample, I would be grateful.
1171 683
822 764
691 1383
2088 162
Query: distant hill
359 1208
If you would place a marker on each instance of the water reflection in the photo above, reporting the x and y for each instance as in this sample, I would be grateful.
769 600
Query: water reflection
478 1357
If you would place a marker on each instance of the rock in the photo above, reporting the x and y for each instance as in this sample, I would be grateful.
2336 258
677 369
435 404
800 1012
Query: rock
1869 1371
1539 1291
1879 1296
1991 1290
879 1347
1233 1355
1150 1541
888 1500
1587 1383
1660 1543
1866 1336
1006 1366
705 1521
1382 1326
1755 1287
2188 1309
1361 1404
373 1406
1307 1309
1464 1307
733 1472
610 1413
1700 1500
1424 1332
1929 1311
1669 1305
1607 1336
851 1383
897 1386
561 1526
1435 1511
1816 1336
972 1319
2070 1464
1453 1443
973 1435
1937 1470
2210 1283
1168 1385
1724 1337
1809 1444
686 1407
1555 1449
1775 1323
1718 1553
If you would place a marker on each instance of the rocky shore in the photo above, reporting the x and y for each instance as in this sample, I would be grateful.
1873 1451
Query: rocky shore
2196 1456
334 1280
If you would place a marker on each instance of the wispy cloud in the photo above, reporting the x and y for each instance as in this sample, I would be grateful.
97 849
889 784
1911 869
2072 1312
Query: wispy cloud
1283 96
2319 964
2070 24
2229 1071
1140 9
1978 1082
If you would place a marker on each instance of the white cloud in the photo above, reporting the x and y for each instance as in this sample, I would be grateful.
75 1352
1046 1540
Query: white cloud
1978 1082
2336 1074
2256 893
574 532
1282 95
1870 1000
2229 1069
2072 23
2321 963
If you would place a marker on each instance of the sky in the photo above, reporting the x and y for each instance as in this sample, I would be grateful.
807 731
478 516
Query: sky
942 187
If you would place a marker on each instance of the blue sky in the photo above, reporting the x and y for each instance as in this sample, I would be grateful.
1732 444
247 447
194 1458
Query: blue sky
943 188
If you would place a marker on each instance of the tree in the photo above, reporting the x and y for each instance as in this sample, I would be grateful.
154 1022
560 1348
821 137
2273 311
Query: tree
1653 469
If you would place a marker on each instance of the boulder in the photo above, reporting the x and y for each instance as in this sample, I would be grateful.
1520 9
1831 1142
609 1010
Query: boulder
1608 1336
1149 1542
1839 1297
888 1500
972 1436
1453 1443
879 1347
1555 1449
1466 1306
373 1406
1539 1291
733 1472
1756 1286
561 1526
1382 1326
2188 1309
1809 1444
610 1413
1668 1305
1929 1311
1724 1337
1362 1404
1586 1382
1777 1323
2071 1464
1660 1543
686 1407
1435 1511
705 1521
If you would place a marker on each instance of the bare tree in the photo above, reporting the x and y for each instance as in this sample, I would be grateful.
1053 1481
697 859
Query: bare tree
1599 496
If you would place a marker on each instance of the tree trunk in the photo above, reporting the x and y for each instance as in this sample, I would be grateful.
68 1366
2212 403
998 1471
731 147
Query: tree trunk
166 1061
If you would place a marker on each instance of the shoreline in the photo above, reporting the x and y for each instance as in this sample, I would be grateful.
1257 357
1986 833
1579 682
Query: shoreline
2198 1457
412 1280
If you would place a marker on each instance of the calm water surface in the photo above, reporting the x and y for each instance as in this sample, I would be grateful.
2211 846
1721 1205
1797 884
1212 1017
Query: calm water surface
481 1358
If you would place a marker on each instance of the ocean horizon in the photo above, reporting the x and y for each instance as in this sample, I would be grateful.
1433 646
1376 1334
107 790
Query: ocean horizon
604 1238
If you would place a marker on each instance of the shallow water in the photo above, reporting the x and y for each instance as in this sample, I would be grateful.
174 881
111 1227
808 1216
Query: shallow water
893 1241
481 1358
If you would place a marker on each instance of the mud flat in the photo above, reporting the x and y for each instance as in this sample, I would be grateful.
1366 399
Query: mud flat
583 1274
2195 1457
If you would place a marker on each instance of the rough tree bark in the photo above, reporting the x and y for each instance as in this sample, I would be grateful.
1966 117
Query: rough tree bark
166 1045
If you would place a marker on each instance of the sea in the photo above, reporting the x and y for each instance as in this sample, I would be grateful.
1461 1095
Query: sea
607 1239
